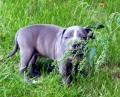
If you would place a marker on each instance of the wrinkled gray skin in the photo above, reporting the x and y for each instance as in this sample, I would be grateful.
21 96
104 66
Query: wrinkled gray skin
47 40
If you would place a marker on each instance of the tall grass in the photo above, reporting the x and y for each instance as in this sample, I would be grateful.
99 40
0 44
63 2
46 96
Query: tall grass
103 78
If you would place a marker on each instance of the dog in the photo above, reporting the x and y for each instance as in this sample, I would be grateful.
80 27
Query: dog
47 40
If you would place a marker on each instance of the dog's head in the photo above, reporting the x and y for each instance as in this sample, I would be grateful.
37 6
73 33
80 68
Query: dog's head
75 37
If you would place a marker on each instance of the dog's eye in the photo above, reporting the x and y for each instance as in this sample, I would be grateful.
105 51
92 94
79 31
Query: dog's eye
66 37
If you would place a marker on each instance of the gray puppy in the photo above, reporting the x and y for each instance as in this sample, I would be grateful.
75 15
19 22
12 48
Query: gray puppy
47 40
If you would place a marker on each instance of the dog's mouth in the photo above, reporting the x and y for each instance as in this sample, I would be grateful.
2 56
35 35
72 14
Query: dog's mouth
78 48
73 53
82 51
77 52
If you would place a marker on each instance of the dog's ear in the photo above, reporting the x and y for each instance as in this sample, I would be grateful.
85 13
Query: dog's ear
90 33
60 34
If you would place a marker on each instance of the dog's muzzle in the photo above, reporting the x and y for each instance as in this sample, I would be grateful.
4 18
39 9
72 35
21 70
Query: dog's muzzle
77 47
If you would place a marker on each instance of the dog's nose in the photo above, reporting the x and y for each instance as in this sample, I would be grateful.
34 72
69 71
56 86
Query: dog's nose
74 45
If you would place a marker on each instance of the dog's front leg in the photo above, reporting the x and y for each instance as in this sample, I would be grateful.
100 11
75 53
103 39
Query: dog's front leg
65 71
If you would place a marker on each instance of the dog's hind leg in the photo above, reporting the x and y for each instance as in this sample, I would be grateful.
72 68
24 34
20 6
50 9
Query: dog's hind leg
32 66
25 57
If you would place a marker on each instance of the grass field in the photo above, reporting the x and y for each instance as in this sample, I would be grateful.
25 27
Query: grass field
103 79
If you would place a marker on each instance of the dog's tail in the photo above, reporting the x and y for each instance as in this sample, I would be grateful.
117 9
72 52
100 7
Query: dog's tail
15 46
